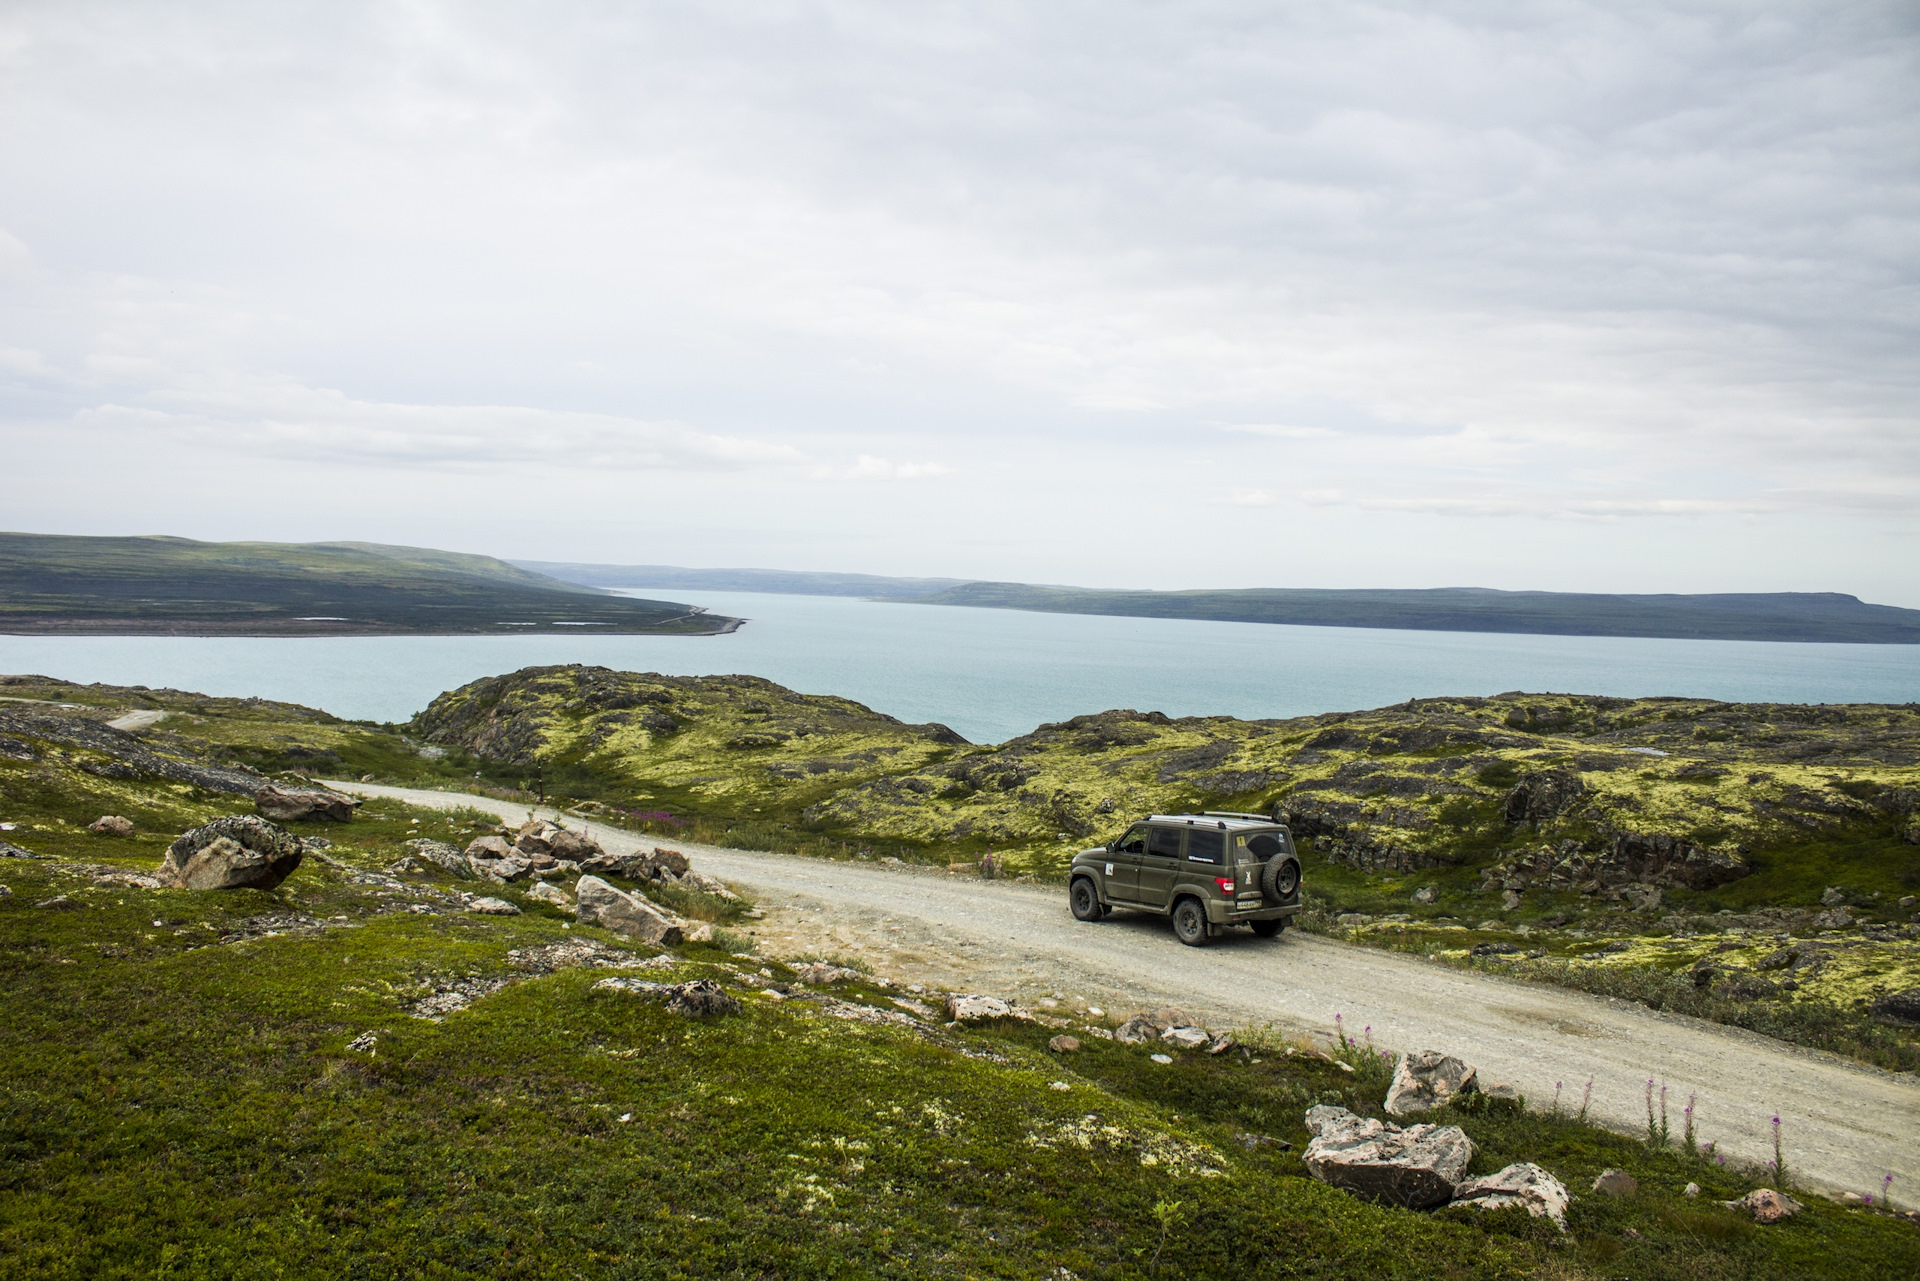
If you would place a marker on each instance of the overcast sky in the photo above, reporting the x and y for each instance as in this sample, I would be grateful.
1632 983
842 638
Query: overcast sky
1609 297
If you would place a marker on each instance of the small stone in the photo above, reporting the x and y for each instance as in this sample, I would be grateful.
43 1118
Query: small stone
544 893
1613 1182
1064 1044
363 1044
1058 1085
1222 1043
58 903
492 907
111 825
1254 1142
1510 901
1187 1038
1426 894
1161 1058
1350 920
1692 1189
1095 1012
977 1009
1764 1205
1907 902
1852 1200
1832 896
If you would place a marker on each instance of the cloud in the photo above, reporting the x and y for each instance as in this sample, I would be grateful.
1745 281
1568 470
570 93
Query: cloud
291 421
1280 431
868 467
1248 498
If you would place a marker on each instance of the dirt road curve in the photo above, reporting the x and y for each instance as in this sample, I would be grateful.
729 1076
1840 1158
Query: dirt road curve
1845 1126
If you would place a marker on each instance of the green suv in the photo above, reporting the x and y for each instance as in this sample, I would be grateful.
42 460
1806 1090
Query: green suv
1206 871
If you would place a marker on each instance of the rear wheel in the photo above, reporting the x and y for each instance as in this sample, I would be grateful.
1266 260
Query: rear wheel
1085 901
1268 929
1190 922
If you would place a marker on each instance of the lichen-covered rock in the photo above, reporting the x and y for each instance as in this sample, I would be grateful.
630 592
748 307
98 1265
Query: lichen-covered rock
441 855
237 852
630 915
292 805
977 1009
1544 795
1427 1080
1764 1205
111 825
1523 1184
1415 1167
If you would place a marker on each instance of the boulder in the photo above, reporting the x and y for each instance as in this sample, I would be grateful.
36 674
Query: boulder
492 907
1838 918
1691 1190
631 915
707 884
1137 1030
1222 1043
238 852
1426 894
977 1009
699 999
488 847
111 825
1523 1184
696 931
441 855
505 870
1415 1167
574 847
535 838
544 893
1173 1016
1764 1205
1187 1038
1064 1044
1899 1008
1832 896
292 805
1611 1182
821 974
1427 1080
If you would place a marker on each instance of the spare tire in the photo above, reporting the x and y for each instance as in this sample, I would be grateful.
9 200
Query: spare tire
1280 878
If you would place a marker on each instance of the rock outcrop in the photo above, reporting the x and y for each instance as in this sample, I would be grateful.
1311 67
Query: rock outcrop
1415 1167
1544 795
293 805
239 852
1427 1080
1899 1008
630 915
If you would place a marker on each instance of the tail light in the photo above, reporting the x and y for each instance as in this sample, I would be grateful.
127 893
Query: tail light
1225 883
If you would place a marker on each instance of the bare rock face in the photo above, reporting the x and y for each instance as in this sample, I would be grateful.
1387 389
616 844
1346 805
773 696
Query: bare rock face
1524 1184
1415 1167
1899 1008
111 825
1544 795
239 852
632 915
1427 1080
292 805
1764 1205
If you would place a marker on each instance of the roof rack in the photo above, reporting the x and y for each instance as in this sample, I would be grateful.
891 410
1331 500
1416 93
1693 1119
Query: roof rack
1258 818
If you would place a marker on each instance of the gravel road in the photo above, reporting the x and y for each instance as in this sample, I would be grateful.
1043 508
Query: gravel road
1845 1126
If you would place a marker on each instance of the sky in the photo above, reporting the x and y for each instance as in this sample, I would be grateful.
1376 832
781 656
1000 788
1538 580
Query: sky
1615 297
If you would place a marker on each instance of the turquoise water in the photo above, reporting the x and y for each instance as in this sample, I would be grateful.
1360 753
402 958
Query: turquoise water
991 674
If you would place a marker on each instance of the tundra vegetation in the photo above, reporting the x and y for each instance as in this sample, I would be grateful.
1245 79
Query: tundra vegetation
1754 864
350 1075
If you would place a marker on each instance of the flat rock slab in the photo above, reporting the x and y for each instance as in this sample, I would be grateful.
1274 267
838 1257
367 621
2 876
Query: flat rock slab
1415 1167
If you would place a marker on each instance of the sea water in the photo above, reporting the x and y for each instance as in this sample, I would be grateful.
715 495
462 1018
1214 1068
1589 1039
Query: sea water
992 674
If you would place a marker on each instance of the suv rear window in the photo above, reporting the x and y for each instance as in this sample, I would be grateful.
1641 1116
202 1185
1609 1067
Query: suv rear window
1165 842
1205 847
1263 846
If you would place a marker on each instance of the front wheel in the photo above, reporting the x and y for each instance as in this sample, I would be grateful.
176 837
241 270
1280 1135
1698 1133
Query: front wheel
1085 901
1270 929
1190 922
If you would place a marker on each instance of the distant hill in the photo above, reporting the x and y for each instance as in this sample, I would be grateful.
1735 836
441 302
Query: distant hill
176 586
782 581
1752 616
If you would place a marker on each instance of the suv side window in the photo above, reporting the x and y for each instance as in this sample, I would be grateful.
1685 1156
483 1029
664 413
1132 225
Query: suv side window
1205 847
1165 842
1134 842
